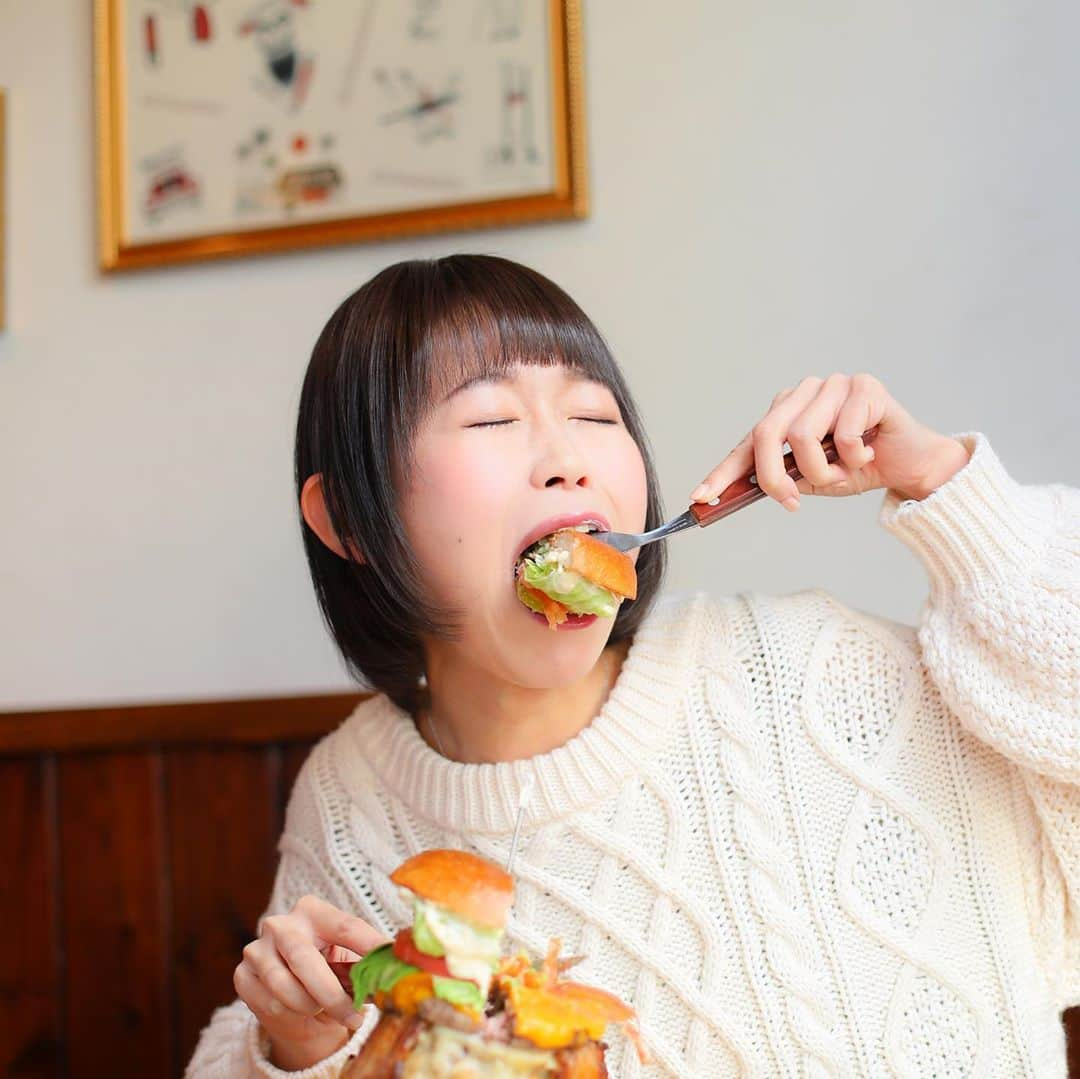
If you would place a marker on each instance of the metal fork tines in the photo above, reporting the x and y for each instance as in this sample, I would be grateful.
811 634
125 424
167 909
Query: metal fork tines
627 541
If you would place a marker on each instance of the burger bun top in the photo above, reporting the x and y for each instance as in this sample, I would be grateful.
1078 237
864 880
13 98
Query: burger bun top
469 886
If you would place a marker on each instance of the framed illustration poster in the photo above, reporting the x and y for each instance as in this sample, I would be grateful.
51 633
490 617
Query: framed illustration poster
232 127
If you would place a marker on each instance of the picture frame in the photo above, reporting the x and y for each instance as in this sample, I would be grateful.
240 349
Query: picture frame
245 127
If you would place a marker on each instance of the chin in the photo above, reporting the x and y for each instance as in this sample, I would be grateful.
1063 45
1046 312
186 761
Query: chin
566 657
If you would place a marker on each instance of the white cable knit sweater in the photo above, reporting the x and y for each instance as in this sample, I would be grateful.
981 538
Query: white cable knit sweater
801 840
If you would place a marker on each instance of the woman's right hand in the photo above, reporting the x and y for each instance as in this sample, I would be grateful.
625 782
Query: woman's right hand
290 980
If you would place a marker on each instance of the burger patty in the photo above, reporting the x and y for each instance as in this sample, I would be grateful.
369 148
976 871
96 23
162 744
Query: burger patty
441 1013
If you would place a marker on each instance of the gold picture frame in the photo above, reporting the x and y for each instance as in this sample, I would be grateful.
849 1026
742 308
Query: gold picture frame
511 178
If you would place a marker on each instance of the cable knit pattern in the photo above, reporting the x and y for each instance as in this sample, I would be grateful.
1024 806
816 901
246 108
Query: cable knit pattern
802 840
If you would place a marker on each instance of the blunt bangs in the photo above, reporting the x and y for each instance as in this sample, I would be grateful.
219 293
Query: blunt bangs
389 354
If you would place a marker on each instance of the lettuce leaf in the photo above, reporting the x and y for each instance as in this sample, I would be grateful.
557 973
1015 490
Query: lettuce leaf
378 970
424 939
459 993
570 589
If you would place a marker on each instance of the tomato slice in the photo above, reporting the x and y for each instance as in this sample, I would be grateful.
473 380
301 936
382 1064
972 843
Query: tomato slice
407 952
554 611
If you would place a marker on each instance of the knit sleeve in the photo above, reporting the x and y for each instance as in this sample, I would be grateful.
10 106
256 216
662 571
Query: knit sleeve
233 1045
1000 636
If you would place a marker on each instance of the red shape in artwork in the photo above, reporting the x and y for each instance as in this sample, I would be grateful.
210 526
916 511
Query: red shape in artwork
150 31
200 23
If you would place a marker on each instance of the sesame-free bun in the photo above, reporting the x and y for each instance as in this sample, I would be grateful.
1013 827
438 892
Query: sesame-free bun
597 562
466 884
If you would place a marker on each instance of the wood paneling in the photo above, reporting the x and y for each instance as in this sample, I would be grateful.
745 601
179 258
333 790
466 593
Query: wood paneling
115 914
222 814
137 850
30 973
252 722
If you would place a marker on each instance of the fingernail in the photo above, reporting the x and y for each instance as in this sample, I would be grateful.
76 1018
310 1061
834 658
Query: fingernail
869 452
354 1021
699 492
791 503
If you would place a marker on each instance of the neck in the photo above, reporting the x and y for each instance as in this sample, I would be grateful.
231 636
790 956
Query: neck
473 718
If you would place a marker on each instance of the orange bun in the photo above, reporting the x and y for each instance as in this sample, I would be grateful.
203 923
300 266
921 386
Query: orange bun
470 886
597 562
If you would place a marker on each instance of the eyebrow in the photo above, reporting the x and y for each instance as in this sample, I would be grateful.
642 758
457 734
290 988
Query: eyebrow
499 380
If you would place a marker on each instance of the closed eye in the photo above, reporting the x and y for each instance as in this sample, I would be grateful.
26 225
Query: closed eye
504 423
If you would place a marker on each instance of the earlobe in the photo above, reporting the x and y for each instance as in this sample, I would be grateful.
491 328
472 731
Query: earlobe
313 507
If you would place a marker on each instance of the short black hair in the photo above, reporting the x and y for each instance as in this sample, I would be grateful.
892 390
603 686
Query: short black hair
386 356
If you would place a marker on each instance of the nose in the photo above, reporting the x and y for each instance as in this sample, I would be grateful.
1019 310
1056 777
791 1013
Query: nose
560 461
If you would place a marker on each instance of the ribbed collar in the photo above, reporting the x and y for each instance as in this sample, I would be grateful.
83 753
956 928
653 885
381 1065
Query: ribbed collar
640 712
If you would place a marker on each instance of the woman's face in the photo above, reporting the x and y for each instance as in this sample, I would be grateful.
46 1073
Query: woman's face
494 461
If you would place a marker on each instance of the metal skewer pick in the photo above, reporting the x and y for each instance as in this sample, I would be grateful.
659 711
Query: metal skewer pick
523 802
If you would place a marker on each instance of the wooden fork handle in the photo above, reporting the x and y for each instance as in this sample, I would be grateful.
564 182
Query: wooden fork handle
745 489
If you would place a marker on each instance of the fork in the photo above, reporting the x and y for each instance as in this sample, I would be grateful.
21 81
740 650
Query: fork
735 496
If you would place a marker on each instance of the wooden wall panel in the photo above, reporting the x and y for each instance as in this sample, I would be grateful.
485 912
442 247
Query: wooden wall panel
30 975
222 814
258 721
292 759
115 915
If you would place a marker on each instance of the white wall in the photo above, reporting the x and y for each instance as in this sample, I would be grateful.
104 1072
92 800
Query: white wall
780 189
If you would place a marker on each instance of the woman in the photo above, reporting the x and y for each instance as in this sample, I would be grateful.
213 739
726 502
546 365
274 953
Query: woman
798 838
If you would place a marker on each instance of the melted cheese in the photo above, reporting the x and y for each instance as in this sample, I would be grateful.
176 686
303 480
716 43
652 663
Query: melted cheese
556 1016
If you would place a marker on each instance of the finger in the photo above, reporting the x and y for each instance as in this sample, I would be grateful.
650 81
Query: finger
283 984
334 926
769 435
737 463
864 407
811 425
272 1014
256 995
841 487
314 973
262 957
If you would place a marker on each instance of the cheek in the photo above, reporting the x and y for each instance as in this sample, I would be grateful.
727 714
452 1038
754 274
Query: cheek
627 484
452 514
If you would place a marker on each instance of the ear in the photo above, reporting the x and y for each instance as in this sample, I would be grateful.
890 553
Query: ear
313 507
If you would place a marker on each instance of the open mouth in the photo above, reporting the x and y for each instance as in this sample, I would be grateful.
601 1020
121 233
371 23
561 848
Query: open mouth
570 620
539 548
570 579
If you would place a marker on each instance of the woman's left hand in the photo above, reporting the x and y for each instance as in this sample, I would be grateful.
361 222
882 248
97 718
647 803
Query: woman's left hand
906 456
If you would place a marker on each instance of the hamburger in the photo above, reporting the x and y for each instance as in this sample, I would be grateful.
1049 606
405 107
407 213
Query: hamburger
571 572
454 1007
